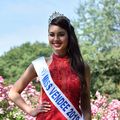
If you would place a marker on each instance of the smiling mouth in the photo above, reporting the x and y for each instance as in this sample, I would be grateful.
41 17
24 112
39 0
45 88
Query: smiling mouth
57 44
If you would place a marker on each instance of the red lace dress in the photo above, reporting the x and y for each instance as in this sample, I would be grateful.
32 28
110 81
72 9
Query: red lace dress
69 83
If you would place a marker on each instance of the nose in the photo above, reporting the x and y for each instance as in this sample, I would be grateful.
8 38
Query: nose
56 38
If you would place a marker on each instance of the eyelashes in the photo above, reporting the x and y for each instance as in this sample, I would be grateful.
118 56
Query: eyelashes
60 34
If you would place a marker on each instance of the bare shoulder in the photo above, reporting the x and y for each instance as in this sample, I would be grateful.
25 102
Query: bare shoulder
48 60
28 75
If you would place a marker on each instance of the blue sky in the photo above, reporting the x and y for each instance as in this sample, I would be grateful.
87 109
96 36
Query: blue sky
27 20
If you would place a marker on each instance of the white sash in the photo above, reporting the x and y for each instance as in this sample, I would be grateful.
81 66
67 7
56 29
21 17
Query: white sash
53 92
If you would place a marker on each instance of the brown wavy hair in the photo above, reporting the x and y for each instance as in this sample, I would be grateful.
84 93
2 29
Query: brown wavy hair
74 53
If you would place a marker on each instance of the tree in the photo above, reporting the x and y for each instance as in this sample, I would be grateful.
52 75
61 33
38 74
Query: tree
99 23
98 29
15 61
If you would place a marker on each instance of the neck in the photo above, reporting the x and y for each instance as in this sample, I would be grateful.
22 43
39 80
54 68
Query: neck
60 54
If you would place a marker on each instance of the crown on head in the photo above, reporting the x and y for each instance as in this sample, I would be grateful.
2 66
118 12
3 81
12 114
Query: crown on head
54 15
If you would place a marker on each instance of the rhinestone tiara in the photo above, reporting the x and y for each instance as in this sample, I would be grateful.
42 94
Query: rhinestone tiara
54 15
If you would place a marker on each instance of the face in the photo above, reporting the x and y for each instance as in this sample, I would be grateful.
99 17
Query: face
58 39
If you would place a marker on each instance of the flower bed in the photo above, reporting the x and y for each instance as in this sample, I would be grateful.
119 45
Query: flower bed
101 107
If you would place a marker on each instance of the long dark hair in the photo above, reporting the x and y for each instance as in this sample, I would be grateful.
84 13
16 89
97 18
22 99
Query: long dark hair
74 53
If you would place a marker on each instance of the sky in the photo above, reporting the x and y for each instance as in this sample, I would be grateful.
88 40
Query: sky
24 21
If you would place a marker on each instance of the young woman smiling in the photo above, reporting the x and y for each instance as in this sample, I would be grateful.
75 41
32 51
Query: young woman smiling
68 71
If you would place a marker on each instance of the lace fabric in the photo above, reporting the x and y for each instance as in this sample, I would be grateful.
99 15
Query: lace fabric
68 81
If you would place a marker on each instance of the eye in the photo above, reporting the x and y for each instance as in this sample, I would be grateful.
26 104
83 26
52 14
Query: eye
51 34
61 34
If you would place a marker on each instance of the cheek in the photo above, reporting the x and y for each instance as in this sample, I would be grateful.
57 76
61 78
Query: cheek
49 39
66 41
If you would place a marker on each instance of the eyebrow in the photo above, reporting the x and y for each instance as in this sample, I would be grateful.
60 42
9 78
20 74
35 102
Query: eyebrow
58 32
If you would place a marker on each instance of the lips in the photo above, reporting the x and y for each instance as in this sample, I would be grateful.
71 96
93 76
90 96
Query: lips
56 44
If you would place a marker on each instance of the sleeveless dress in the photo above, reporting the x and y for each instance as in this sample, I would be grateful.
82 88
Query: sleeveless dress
68 81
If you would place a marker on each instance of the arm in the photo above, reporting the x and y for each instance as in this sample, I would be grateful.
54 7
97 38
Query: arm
19 86
85 98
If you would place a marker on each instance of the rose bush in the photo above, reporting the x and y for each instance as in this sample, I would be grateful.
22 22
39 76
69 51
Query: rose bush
102 108
8 110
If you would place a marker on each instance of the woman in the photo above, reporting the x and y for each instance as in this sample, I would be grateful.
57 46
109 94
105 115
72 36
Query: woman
67 69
